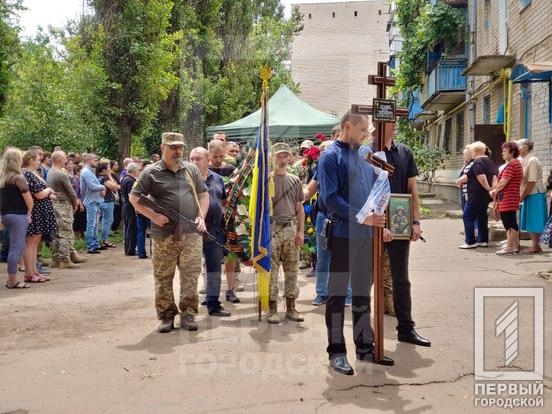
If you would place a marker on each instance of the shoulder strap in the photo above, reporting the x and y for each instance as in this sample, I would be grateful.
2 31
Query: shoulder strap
191 181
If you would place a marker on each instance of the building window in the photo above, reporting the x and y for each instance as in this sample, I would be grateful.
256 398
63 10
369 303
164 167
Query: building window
310 15
379 12
487 110
333 14
438 140
459 131
356 14
448 133
526 111
523 4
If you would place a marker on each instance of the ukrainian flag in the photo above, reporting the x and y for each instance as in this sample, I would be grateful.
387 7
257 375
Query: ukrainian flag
259 205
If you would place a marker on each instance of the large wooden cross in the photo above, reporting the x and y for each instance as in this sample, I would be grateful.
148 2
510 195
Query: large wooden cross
383 113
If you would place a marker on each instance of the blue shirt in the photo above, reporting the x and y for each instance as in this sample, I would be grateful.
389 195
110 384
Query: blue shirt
345 180
90 187
217 193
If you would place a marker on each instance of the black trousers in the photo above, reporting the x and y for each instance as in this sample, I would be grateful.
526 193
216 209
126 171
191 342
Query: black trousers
350 260
399 251
130 232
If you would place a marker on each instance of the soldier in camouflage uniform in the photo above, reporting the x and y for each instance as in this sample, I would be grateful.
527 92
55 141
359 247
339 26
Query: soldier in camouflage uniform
64 254
177 184
287 231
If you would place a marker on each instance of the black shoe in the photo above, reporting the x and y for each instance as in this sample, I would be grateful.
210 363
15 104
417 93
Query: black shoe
220 311
231 296
166 325
340 365
93 252
102 248
369 357
412 337
142 257
204 303
130 254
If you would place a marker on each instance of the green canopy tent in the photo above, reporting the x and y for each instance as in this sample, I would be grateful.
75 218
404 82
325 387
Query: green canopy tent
289 117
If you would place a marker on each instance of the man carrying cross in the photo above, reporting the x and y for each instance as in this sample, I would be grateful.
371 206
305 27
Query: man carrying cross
345 180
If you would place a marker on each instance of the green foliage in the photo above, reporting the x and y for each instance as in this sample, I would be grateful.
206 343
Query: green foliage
49 101
9 43
138 53
428 159
423 26
114 80
225 44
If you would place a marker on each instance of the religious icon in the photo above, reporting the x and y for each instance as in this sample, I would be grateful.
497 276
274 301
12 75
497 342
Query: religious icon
399 216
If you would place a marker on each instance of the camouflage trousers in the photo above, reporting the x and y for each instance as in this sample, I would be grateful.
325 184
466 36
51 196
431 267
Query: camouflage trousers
169 253
284 252
387 280
64 237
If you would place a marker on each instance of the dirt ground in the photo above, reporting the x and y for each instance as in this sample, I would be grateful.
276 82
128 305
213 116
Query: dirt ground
86 342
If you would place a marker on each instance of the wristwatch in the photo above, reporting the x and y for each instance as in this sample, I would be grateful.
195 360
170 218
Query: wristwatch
416 222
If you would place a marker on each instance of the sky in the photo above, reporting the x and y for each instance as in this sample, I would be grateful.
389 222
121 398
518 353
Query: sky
57 12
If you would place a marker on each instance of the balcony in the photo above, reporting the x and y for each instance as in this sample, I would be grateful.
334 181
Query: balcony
445 86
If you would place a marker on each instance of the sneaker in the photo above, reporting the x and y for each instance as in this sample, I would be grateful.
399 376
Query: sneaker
468 246
319 300
231 296
220 311
483 244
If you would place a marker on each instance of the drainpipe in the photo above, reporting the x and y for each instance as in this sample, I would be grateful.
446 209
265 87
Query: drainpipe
472 11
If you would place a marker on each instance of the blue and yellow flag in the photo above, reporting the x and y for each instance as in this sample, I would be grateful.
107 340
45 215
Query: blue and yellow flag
259 206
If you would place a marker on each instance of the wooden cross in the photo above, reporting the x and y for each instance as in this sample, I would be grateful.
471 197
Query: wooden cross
383 127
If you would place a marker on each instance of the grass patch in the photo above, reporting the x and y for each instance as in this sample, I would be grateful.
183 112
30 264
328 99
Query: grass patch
80 244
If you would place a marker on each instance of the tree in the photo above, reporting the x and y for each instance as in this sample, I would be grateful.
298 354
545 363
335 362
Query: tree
224 46
49 101
138 53
9 42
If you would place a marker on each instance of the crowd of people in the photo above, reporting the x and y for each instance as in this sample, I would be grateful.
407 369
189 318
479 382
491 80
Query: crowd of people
54 197
517 191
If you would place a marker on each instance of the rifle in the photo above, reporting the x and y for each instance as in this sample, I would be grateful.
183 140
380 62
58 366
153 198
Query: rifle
179 219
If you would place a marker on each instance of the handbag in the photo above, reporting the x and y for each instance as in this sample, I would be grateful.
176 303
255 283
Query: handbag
326 233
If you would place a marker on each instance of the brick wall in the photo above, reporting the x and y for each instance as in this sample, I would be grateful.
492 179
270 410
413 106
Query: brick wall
336 51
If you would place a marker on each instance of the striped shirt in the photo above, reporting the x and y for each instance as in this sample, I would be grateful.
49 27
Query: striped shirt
509 197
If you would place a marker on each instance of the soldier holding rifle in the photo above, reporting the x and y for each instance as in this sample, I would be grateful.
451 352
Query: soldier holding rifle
174 184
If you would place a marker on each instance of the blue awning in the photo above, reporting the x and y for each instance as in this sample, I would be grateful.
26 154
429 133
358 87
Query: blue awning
532 72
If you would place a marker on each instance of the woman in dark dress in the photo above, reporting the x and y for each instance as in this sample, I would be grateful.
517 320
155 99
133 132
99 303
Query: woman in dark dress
43 220
79 222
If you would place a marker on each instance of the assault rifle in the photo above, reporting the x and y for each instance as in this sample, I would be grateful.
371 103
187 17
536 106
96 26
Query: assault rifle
182 222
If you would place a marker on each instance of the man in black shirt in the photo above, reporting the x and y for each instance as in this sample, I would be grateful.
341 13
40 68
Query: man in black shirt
403 181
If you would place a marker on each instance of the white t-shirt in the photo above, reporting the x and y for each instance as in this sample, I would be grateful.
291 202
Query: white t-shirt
532 172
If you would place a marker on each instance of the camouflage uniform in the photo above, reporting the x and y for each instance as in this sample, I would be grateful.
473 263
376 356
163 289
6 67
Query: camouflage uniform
168 253
284 251
387 285
64 236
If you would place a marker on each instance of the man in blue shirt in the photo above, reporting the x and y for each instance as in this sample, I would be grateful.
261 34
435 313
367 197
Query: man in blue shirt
92 193
213 220
345 180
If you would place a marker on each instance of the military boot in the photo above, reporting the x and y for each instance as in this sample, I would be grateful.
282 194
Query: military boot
291 312
67 264
166 325
273 312
76 258
188 322
54 263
